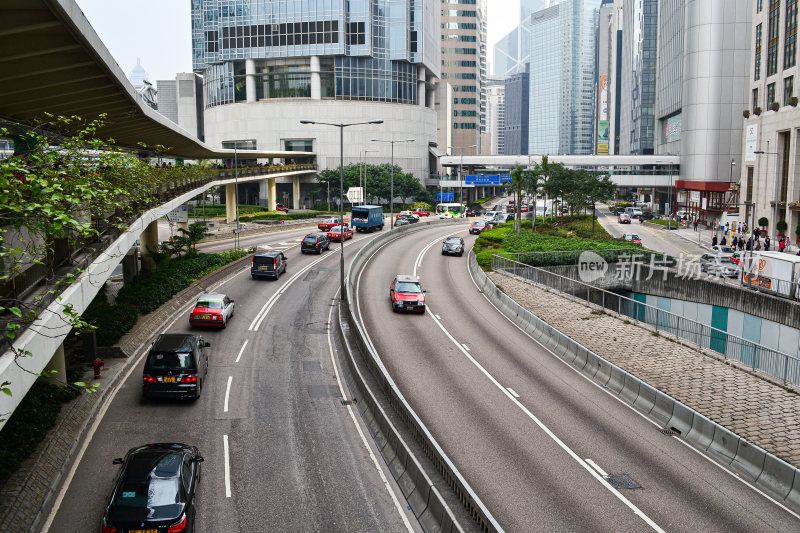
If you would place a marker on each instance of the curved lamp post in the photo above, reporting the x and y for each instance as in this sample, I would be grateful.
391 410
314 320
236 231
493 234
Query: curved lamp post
341 127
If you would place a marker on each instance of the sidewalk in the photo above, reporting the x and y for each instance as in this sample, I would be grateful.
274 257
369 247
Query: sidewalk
757 410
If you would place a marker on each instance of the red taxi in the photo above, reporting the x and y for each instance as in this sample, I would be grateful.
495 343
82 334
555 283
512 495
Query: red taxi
213 310
406 294
336 233
328 223
421 212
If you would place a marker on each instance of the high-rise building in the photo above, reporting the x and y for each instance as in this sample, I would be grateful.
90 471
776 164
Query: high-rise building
517 114
602 92
181 101
701 89
770 182
463 46
562 88
266 64
638 76
615 76
495 115
512 52
138 78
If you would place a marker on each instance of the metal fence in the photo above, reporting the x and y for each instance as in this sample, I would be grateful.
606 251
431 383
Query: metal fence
758 357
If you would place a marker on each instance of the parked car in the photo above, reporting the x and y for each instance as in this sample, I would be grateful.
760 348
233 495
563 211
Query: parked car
213 310
472 212
631 237
281 207
646 215
406 294
315 242
477 227
718 265
176 366
624 218
421 212
523 208
155 490
339 233
268 265
453 246
328 223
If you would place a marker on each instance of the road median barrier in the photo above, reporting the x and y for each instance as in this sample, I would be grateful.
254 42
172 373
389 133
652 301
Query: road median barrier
767 471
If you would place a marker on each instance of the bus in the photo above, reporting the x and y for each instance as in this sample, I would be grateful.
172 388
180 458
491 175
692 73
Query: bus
448 210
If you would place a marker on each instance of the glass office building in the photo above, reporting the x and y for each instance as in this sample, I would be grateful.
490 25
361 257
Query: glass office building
363 49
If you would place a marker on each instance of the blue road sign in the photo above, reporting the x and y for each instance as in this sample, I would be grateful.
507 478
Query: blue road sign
445 197
486 179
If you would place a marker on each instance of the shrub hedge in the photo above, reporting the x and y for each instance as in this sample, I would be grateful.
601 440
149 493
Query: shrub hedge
31 421
278 215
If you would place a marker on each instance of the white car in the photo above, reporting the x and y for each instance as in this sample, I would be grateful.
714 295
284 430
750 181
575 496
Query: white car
489 216
719 265
409 213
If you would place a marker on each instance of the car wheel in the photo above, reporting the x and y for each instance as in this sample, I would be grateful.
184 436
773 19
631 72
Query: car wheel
224 322
198 390
460 254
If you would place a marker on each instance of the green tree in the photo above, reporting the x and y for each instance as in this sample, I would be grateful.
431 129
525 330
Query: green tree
597 189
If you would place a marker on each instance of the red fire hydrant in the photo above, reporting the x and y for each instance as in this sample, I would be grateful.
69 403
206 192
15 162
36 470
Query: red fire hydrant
97 364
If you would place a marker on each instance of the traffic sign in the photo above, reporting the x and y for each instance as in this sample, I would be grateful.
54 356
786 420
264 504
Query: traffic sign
445 196
179 214
486 179
355 194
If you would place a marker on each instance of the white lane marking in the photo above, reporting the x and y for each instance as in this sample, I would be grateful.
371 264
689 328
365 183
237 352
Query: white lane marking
631 407
374 459
256 323
241 351
227 467
465 346
596 467
227 393
538 422
418 261
437 316
513 392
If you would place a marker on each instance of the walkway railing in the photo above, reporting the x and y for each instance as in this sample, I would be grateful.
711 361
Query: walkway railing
758 357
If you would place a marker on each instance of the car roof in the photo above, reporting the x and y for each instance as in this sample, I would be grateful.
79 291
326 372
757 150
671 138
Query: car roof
407 278
267 254
175 342
316 235
211 296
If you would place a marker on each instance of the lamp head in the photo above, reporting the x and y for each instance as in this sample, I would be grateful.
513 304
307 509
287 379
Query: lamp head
759 152
307 122
375 122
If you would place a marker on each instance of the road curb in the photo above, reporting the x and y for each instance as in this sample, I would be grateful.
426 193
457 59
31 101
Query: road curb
771 474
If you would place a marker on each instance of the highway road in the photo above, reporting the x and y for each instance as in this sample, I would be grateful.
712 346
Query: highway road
532 436
282 453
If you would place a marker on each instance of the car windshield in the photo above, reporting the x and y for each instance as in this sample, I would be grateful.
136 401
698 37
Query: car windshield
409 287
310 240
634 237
336 228
209 304
480 224
725 249
453 241
170 360
155 492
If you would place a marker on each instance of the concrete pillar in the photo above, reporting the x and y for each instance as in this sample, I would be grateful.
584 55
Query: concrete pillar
130 265
296 192
273 193
421 87
263 193
148 240
230 203
58 363
250 79
316 84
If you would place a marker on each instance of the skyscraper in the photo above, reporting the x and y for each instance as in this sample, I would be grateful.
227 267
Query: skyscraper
562 102
495 114
268 63
463 45
517 114
512 52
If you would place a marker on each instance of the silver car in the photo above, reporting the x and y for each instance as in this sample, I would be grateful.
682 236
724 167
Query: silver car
719 265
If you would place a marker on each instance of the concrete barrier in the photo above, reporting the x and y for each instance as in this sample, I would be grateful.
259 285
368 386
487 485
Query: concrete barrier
630 391
749 460
777 476
702 432
793 498
577 355
662 408
646 398
616 381
682 418
592 366
724 445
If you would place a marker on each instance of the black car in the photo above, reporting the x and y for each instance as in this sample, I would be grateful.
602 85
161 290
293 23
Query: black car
453 246
472 212
411 219
401 222
155 490
175 367
315 242
268 265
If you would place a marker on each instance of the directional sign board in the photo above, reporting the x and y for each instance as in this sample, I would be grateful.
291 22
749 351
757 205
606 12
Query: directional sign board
445 197
486 179
355 194
179 214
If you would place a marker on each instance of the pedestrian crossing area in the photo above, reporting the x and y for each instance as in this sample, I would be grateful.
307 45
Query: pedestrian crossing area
279 246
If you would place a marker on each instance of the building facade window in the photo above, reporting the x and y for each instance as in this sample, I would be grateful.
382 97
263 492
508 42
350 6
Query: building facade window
757 67
755 98
759 5
772 38
788 89
770 94
790 41
749 195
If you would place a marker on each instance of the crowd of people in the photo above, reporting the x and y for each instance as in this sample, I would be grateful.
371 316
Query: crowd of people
741 241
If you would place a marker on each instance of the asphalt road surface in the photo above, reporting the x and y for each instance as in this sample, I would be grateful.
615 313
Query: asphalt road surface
282 453
532 436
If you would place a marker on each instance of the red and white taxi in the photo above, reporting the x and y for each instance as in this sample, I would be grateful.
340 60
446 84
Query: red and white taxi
337 234
212 310
328 223
406 294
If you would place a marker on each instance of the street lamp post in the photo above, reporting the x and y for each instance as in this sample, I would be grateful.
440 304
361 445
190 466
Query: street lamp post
391 186
777 180
364 166
236 186
341 127
461 170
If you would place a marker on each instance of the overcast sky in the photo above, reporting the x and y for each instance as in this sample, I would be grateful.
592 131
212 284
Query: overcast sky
159 31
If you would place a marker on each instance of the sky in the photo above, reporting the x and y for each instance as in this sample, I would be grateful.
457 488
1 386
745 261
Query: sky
159 32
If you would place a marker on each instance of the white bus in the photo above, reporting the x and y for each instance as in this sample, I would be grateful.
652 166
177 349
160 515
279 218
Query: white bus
448 210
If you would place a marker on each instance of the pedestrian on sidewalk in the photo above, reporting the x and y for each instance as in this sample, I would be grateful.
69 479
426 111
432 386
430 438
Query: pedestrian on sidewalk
695 224
781 245
758 245
724 241
749 245
734 242
714 241
741 243
766 244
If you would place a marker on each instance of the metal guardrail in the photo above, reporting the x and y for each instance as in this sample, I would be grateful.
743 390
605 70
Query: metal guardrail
758 357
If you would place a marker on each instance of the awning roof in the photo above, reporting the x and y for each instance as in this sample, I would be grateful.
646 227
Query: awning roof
435 151
54 62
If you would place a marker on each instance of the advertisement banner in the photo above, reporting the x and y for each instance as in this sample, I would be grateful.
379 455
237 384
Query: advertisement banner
672 128
602 137
750 142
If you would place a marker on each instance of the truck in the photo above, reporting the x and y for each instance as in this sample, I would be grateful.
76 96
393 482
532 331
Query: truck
774 272
367 218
